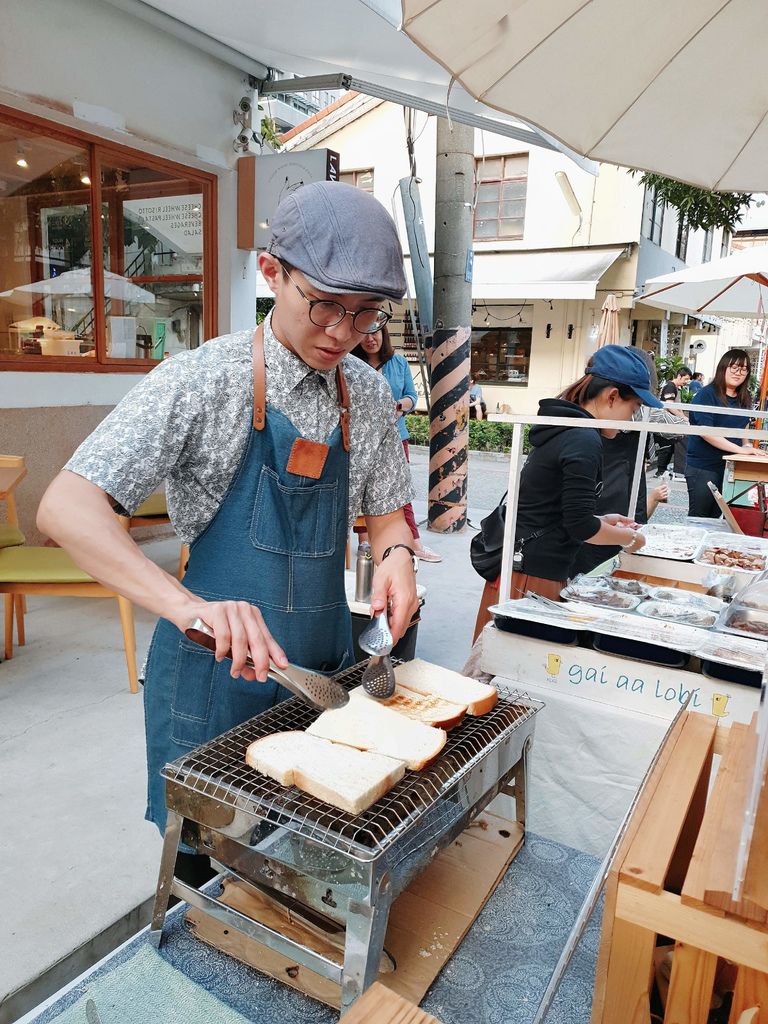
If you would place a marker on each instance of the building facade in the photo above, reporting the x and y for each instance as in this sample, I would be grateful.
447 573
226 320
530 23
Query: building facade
550 243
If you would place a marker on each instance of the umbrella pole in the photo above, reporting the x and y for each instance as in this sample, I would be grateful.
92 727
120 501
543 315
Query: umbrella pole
763 384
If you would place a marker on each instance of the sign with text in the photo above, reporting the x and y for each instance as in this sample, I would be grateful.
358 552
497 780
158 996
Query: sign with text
176 220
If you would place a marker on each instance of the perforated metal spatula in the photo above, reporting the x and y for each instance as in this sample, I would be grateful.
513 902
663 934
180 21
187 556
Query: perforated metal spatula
320 691
376 639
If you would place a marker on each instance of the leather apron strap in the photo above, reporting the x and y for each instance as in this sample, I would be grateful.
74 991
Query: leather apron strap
260 390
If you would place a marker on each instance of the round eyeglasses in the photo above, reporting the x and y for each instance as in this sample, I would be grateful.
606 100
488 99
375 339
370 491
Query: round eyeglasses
327 313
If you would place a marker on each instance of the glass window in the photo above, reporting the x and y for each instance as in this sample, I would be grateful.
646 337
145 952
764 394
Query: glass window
706 254
681 248
152 233
501 194
360 179
501 355
86 290
653 215
45 246
725 243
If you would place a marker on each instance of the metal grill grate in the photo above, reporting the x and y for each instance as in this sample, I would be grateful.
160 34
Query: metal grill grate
218 770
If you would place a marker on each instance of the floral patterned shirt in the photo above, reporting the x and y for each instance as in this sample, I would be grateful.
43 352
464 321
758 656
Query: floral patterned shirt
188 422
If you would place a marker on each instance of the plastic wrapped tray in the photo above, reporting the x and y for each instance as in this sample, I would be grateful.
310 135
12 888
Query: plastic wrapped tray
687 597
673 611
751 622
605 597
679 543
731 546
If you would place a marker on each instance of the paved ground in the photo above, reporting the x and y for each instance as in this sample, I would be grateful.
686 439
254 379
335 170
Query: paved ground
78 861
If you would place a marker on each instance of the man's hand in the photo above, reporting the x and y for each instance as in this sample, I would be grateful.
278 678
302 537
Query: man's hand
240 629
394 586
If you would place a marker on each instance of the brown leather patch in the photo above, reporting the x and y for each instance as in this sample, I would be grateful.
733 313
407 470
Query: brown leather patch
307 458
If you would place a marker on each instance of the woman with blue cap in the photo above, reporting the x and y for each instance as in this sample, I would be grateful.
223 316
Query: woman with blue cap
562 478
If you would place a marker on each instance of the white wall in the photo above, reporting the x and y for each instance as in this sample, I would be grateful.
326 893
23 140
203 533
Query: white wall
167 98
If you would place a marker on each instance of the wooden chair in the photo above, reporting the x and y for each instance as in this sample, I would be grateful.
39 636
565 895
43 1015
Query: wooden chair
50 571
154 512
12 472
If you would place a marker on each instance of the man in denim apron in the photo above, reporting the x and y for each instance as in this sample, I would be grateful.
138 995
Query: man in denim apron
270 443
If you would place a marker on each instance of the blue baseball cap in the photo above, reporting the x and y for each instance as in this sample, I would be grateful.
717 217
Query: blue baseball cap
622 365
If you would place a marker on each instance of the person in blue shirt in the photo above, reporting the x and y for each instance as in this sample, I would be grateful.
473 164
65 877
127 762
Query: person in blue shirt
377 350
696 384
730 389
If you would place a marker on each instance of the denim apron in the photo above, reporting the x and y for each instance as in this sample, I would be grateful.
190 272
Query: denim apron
279 542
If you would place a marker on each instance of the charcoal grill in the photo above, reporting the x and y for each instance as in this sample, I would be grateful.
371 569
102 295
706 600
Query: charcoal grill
342 869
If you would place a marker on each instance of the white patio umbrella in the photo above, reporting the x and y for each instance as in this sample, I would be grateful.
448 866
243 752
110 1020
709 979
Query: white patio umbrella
626 82
78 282
608 331
736 285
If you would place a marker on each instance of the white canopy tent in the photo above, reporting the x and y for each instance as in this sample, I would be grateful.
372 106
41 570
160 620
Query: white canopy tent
666 87
736 285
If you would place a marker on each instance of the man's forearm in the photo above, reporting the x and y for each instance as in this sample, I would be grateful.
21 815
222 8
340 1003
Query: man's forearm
384 531
78 516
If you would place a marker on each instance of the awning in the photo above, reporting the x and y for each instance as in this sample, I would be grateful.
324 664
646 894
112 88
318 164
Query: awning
558 274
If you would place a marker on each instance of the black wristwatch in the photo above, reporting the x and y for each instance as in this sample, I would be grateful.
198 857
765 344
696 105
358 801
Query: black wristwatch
410 551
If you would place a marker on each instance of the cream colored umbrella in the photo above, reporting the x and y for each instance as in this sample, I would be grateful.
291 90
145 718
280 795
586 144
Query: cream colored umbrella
608 331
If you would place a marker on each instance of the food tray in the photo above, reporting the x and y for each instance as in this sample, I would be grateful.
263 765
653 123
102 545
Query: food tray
672 611
738 620
687 597
604 597
679 543
734 542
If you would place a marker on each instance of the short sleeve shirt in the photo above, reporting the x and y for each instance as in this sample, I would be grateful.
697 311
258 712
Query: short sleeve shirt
188 422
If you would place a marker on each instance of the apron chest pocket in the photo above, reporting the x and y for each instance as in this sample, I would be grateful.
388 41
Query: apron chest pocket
192 693
294 520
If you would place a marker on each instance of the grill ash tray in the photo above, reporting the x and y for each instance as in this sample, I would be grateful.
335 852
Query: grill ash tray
217 771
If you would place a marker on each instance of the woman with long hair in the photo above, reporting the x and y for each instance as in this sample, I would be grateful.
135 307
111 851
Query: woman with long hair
729 389
377 350
561 481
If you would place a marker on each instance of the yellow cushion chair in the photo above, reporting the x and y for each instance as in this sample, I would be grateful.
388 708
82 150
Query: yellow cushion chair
31 570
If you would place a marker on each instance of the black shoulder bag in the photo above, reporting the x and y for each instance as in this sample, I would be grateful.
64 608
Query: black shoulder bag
486 546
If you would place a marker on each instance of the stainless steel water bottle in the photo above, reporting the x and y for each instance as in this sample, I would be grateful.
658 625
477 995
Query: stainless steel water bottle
363 572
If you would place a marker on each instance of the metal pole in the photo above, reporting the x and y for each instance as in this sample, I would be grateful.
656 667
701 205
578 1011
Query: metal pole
450 356
639 465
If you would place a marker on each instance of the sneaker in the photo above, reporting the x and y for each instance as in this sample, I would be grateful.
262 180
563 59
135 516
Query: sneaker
427 555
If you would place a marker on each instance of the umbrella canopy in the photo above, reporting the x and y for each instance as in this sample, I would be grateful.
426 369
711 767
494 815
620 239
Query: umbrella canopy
736 285
78 282
608 332
626 82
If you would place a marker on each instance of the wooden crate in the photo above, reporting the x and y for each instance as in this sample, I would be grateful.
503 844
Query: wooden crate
673 877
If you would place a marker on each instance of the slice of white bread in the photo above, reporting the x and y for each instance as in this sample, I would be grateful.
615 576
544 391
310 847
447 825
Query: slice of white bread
349 779
423 677
364 723
423 707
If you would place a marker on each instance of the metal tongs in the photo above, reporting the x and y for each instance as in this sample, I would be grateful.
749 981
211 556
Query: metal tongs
376 639
320 691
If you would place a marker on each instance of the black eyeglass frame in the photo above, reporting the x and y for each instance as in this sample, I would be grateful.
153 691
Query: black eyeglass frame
383 317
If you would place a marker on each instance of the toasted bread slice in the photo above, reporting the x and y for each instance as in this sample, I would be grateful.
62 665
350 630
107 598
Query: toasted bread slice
349 779
426 678
422 707
364 723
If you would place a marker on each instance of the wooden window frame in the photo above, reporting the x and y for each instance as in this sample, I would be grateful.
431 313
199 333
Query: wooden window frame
356 172
103 152
500 182
511 339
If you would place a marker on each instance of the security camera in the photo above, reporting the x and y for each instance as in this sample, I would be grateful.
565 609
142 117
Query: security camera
245 105
243 140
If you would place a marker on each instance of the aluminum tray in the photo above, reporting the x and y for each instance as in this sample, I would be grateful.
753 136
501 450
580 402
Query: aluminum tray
733 542
756 615
675 596
677 612
678 543
602 597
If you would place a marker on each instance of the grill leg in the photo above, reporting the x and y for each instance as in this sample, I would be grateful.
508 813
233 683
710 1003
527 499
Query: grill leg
366 929
521 783
165 878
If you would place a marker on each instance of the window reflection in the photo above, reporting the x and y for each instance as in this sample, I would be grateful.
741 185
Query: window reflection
501 355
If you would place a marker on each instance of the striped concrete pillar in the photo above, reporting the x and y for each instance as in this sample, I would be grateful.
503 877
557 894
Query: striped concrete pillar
452 316
448 430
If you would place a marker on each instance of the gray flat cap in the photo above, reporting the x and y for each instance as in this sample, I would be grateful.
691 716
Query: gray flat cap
340 238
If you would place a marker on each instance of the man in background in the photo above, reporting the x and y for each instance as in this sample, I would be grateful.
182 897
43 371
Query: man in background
669 446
